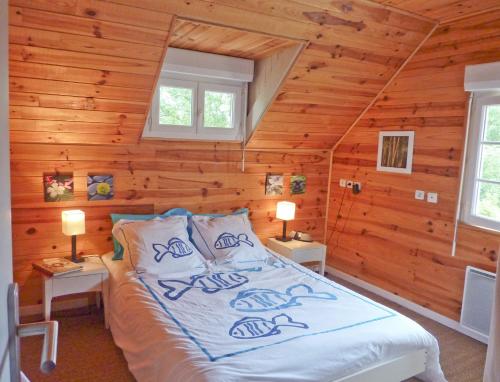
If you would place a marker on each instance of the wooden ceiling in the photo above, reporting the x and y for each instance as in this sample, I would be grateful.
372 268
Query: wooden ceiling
442 10
79 63
226 41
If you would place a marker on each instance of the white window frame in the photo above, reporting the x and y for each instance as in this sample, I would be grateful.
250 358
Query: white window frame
197 131
477 126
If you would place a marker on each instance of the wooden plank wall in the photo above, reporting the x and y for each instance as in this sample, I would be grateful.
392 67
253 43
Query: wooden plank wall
385 236
152 177
81 77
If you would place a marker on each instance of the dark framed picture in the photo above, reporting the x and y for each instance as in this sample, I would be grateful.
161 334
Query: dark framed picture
58 187
297 184
100 187
395 151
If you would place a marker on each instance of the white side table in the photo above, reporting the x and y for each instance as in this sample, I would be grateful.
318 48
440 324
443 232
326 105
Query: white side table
300 251
92 278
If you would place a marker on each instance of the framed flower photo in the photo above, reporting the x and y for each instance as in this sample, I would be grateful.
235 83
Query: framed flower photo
395 151
58 187
274 184
100 187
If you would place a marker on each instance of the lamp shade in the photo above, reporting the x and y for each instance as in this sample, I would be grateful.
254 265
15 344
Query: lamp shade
73 222
285 210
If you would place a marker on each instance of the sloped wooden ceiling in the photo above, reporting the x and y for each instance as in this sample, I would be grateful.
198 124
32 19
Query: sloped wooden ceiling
355 47
442 10
226 41
103 56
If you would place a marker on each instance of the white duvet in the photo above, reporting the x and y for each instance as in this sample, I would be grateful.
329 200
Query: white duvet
255 321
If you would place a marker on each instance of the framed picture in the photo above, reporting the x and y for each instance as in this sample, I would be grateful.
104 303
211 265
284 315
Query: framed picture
297 184
100 187
274 184
57 187
395 151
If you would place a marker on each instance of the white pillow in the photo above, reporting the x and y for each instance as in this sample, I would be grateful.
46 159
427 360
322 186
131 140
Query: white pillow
159 245
227 238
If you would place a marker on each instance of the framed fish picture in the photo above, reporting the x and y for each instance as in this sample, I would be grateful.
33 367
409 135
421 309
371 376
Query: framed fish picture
58 187
297 184
274 184
100 187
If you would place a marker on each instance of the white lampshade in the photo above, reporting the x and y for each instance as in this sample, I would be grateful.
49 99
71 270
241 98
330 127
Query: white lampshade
73 222
285 210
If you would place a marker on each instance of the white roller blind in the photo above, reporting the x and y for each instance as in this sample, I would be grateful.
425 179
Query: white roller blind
482 77
190 62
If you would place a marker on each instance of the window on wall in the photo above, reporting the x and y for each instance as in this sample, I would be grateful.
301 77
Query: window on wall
187 107
482 181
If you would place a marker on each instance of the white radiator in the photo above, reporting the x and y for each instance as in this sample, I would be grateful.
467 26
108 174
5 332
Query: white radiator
478 302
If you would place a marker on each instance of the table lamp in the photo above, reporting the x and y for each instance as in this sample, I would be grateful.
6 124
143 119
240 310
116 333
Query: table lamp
73 223
285 211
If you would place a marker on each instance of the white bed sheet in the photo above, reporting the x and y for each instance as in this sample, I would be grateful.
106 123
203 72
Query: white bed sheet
202 335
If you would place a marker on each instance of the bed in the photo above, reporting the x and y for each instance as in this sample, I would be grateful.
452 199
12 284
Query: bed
270 320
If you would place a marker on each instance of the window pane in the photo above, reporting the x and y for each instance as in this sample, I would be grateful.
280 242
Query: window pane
218 111
175 106
490 162
488 201
492 133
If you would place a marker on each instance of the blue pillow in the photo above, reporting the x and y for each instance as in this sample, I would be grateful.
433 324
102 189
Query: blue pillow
118 249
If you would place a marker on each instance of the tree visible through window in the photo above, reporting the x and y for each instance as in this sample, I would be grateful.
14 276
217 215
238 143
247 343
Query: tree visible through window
218 109
175 106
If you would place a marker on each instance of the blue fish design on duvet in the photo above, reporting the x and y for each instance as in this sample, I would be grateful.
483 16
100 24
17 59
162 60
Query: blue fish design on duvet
257 327
208 283
263 300
228 240
175 247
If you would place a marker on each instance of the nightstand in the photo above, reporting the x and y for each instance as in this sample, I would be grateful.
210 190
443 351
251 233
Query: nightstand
92 278
300 251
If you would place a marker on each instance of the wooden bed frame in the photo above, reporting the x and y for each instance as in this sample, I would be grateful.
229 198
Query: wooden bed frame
395 370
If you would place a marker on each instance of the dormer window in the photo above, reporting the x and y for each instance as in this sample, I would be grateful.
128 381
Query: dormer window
200 96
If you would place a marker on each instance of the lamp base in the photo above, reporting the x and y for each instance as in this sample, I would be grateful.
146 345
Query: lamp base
75 260
73 256
281 238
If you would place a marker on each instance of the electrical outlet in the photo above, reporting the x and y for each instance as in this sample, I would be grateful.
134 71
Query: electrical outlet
432 197
349 184
342 182
419 195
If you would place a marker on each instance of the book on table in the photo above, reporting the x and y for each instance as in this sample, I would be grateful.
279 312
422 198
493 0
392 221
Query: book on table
57 266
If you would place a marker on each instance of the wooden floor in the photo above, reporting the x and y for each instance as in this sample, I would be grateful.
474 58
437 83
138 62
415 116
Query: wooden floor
82 333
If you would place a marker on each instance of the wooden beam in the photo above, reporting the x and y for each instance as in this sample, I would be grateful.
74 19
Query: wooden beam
466 16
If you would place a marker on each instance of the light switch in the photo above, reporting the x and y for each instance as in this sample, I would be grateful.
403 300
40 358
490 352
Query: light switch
419 195
342 182
432 197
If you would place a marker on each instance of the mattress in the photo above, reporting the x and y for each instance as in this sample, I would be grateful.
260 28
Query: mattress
254 321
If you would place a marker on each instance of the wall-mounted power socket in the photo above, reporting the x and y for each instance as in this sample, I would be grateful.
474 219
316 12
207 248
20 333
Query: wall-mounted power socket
432 197
419 195
349 184
342 183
